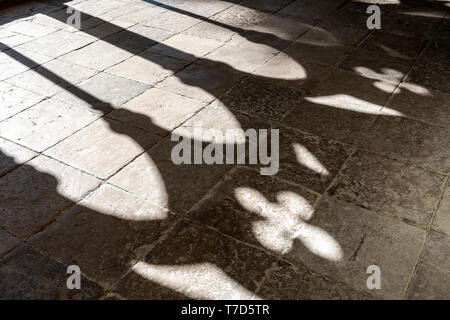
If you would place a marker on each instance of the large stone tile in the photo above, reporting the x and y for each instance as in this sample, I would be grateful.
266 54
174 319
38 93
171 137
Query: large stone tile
105 233
240 17
292 283
155 177
102 92
34 194
201 82
419 103
99 148
98 55
436 250
341 241
52 77
285 71
12 155
332 119
14 99
397 190
197 263
256 209
15 61
410 25
266 5
329 33
172 21
242 54
7 242
13 41
412 141
442 218
180 46
260 97
130 41
303 51
377 65
27 274
431 75
157 111
30 29
310 11
430 283
58 43
394 45
147 67
44 124
210 30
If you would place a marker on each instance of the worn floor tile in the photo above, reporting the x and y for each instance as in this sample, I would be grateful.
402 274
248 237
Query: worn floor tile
401 191
242 54
102 92
256 209
157 111
419 103
267 5
180 47
87 148
154 176
30 29
15 61
172 21
434 249
14 99
201 82
44 124
147 67
58 43
263 98
342 241
98 55
285 71
431 75
197 263
442 218
292 283
430 283
129 41
104 233
330 34
34 194
377 65
27 274
411 141
394 45
310 10
302 51
7 242
12 155
51 77
209 30
331 119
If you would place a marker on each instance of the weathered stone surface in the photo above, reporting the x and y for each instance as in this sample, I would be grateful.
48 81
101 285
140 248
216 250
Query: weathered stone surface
292 283
12 155
196 262
44 124
394 189
15 61
58 43
342 241
431 75
303 51
14 99
157 111
411 141
434 249
34 194
7 242
105 233
430 283
87 148
148 67
102 92
27 274
256 209
52 77
201 82
442 218
30 29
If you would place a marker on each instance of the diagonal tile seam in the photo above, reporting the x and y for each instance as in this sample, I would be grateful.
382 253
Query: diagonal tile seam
13 248
419 257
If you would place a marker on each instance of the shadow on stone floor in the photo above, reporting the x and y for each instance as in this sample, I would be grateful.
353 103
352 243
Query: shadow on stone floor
103 242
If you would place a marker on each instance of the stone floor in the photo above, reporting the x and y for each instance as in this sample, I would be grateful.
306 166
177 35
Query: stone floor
86 177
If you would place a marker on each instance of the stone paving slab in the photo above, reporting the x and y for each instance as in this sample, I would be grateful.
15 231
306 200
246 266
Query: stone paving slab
442 218
12 155
15 99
